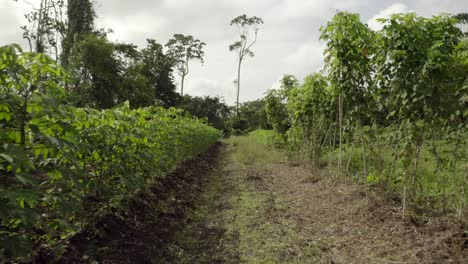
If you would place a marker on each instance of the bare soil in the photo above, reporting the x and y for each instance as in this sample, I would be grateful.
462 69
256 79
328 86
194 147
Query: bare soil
350 226
142 230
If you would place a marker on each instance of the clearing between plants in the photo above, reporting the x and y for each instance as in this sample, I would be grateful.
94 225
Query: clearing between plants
252 205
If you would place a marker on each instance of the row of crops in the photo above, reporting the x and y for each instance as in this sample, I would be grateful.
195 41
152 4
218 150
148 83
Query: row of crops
57 160
389 109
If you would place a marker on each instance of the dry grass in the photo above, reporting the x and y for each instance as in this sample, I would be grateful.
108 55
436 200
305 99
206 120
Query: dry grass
258 208
352 227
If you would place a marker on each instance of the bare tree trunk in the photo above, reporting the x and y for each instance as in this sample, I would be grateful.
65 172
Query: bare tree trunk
182 85
462 199
419 145
363 155
403 210
23 123
340 120
379 148
352 150
238 84
365 168
333 148
331 141
395 154
416 163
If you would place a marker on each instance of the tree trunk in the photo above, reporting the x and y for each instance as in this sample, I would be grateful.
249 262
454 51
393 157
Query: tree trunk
419 146
462 199
182 85
39 32
352 150
238 84
364 167
24 121
340 120
403 210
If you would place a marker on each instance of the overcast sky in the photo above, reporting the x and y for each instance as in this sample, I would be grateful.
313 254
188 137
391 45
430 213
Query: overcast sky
288 42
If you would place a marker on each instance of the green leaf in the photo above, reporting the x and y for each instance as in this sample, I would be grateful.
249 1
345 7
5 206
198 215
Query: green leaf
7 158
25 179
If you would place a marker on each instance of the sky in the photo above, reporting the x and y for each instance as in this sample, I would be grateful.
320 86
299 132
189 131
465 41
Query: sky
288 42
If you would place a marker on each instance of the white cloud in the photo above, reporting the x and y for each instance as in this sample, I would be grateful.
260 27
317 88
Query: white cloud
288 42
11 18
288 9
386 13
133 25
296 9
204 87
306 58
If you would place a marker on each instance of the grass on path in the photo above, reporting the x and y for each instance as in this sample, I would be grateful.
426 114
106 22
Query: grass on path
259 208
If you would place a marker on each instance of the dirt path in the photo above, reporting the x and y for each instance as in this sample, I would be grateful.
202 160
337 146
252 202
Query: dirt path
242 202
257 208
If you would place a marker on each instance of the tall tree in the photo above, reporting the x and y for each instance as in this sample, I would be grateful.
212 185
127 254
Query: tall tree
80 15
348 62
212 108
54 26
135 87
157 68
183 49
462 23
245 26
95 70
46 26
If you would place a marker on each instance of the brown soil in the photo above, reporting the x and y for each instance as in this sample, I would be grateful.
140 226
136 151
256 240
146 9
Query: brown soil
144 231
349 226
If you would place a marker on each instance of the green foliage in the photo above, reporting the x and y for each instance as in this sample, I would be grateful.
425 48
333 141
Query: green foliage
106 74
95 58
251 150
462 22
81 15
46 26
183 49
245 25
267 138
350 44
251 116
389 110
276 110
212 108
312 112
157 68
416 62
56 158
103 74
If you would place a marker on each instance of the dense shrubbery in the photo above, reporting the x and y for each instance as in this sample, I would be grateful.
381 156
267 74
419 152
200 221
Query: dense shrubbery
249 116
389 110
56 160
216 112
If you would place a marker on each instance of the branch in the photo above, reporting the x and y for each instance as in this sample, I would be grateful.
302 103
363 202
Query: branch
29 3
253 42
245 51
187 67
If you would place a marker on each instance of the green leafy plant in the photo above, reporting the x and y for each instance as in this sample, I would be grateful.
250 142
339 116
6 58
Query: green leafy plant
388 111
56 158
